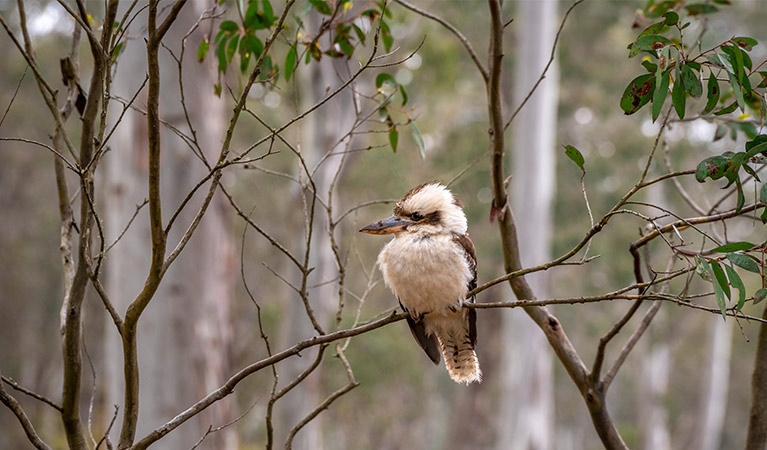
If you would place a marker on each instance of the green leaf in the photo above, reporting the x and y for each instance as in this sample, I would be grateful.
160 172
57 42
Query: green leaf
763 194
221 54
403 94
760 295
691 81
736 58
719 292
202 50
671 18
746 43
116 52
360 34
700 8
741 196
659 8
268 12
393 138
290 62
386 36
703 269
638 93
727 109
229 25
651 42
744 262
738 92
734 247
322 7
721 60
659 96
652 68
385 78
737 283
677 95
712 95
416 133
232 47
720 278
250 47
575 155
714 167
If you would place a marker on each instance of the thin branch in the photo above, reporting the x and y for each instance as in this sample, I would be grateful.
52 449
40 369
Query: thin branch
12 383
13 97
322 406
29 429
229 386
452 29
649 315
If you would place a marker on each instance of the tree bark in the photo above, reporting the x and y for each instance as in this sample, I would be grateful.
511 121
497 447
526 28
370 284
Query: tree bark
757 424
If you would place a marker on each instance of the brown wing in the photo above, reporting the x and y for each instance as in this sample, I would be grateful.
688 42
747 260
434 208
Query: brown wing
471 257
428 343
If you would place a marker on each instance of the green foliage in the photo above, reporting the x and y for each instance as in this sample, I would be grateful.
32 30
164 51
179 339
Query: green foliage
575 155
663 44
727 279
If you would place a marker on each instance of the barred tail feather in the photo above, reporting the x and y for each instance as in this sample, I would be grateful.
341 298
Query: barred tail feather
460 359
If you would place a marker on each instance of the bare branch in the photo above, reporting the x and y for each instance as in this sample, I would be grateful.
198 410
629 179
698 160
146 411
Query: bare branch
10 382
229 386
13 404
452 29
13 97
649 315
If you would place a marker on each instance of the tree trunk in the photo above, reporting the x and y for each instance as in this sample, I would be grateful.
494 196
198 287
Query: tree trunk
757 425
183 336
716 385
653 389
527 402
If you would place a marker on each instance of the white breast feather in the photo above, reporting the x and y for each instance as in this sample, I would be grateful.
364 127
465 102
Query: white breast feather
428 274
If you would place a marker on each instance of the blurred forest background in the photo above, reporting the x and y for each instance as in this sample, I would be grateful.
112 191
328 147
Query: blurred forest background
685 386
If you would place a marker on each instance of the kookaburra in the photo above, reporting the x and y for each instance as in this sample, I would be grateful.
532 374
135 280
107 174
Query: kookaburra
431 265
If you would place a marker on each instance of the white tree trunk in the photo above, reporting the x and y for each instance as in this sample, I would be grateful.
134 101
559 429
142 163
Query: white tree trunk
183 336
653 416
527 403
714 402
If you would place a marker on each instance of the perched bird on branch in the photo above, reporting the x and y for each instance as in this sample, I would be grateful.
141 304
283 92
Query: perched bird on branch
430 265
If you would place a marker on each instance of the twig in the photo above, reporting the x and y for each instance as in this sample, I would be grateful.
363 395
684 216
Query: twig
12 383
13 97
13 404
649 315
233 381
212 430
452 29
322 406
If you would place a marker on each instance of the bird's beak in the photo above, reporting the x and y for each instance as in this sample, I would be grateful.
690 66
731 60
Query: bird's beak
388 225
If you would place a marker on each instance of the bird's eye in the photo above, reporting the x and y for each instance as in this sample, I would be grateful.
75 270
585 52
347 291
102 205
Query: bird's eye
416 216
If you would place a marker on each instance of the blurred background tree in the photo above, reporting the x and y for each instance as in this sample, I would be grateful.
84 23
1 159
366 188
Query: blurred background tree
277 248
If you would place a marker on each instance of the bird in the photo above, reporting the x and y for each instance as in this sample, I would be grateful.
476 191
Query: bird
430 265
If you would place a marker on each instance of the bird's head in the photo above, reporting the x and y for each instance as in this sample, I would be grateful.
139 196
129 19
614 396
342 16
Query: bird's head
429 208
